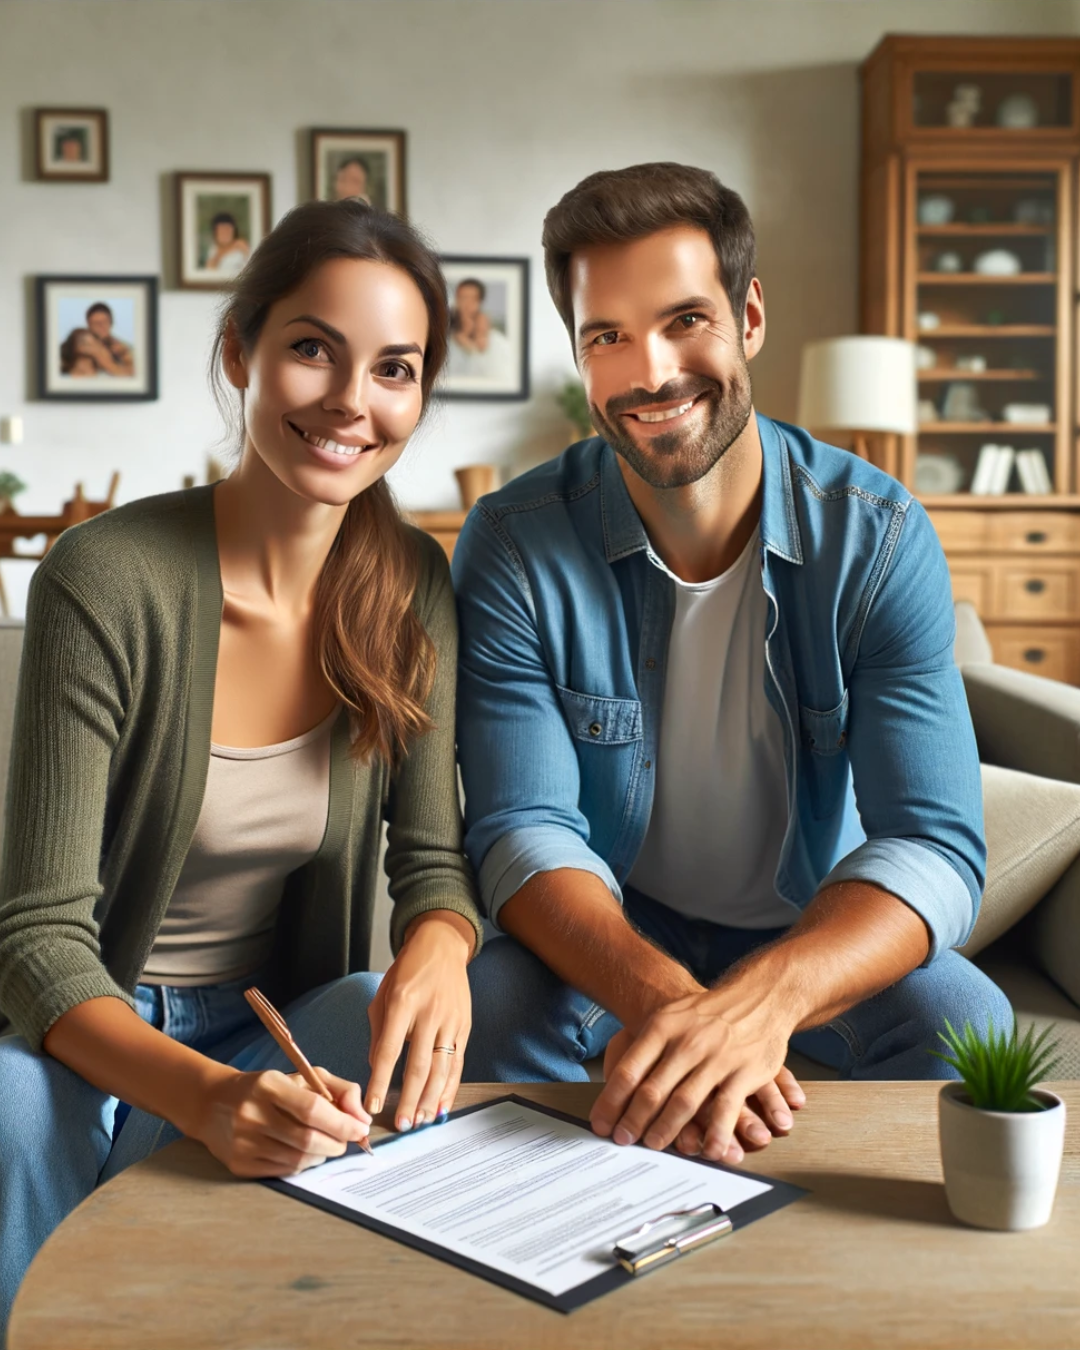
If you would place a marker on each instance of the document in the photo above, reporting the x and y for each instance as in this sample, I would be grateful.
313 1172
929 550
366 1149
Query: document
525 1196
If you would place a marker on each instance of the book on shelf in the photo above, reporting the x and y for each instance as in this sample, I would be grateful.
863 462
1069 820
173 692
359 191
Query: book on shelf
992 470
1032 471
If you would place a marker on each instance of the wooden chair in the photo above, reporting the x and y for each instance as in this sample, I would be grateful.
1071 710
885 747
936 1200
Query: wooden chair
15 526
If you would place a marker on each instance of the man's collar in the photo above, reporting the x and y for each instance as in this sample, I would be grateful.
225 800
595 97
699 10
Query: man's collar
625 534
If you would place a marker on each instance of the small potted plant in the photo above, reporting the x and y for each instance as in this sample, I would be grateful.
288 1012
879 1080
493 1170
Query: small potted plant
10 487
574 402
1001 1136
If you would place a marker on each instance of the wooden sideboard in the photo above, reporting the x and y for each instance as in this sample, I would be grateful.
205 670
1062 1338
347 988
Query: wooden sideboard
1021 571
445 526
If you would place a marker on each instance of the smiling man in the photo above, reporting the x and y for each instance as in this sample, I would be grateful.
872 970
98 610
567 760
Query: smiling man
690 646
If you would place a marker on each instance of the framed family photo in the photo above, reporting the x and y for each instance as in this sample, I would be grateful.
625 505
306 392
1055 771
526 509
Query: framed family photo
71 144
97 338
365 164
489 328
221 218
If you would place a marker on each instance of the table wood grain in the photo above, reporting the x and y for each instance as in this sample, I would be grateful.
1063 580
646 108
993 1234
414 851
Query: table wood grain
175 1253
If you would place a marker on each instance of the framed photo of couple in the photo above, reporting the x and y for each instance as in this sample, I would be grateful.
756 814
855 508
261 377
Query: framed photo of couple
97 338
221 218
488 355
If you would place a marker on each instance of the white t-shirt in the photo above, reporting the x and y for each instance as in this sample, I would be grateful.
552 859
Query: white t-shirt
720 807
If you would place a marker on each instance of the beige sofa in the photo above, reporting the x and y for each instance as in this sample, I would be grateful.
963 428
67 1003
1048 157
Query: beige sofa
1028 935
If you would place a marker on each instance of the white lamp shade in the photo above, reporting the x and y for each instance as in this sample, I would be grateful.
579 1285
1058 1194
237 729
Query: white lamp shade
859 384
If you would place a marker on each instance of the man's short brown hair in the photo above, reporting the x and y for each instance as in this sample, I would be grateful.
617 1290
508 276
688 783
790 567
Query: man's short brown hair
617 205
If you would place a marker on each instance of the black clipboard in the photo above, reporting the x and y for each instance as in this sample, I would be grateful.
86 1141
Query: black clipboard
782 1193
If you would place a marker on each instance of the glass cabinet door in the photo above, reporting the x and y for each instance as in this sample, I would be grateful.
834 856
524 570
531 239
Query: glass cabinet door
985 295
999 101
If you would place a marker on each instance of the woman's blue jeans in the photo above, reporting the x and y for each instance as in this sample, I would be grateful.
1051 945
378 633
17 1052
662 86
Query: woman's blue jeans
60 1137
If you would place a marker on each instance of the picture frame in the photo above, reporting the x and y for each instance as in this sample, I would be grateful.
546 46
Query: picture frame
359 163
71 145
221 218
97 338
488 357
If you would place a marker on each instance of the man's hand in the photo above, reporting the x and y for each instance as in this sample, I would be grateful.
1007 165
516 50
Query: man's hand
765 1115
702 1068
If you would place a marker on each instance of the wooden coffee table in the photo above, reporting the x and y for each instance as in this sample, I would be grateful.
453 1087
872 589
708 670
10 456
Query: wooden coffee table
175 1253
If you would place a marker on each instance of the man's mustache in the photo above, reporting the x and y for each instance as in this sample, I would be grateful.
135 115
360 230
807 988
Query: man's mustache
675 391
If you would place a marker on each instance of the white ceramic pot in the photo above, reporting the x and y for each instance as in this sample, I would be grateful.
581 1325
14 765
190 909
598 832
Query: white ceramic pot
1001 1167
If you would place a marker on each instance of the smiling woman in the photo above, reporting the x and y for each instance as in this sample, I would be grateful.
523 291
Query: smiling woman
224 694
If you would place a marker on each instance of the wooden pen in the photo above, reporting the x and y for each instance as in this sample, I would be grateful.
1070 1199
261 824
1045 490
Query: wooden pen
275 1024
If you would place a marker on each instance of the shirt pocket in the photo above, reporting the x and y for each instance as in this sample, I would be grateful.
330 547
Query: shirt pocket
825 762
596 720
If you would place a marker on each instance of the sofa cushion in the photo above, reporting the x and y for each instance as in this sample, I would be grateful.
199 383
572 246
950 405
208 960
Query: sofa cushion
1053 933
1037 1003
1032 836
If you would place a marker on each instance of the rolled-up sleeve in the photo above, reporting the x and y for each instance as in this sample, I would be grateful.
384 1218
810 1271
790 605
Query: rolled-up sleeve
518 763
915 765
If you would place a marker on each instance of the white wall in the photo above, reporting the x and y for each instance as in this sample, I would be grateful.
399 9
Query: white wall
507 104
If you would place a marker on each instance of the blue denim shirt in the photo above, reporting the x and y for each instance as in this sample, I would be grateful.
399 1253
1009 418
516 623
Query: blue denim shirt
565 623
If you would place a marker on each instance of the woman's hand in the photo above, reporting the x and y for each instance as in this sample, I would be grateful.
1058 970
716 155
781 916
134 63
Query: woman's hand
271 1124
423 999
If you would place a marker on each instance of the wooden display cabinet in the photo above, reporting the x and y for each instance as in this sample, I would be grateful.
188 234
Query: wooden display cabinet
970 159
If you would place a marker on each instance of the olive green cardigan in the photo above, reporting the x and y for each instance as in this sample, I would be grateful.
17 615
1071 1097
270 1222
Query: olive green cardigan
110 752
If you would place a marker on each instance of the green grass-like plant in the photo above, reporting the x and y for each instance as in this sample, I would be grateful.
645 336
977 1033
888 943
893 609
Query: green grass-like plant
574 402
1001 1071
10 484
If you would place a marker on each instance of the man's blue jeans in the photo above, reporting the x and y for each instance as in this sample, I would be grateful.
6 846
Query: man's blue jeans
887 1036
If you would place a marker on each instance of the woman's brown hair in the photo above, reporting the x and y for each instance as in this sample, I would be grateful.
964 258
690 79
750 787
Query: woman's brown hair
370 643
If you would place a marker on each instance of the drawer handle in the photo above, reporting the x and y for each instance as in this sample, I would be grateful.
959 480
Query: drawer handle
1036 536
1034 655
1035 586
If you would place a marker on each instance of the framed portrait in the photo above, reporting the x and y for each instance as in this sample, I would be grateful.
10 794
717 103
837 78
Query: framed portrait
221 218
97 338
72 144
489 328
365 164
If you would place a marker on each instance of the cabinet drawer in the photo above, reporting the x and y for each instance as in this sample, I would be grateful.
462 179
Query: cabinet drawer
1053 652
1035 531
962 531
974 583
1045 590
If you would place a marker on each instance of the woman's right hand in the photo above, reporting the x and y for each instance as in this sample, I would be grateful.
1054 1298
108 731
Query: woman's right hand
271 1124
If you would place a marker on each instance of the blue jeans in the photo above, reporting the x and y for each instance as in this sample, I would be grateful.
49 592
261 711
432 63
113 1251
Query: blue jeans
60 1137
887 1036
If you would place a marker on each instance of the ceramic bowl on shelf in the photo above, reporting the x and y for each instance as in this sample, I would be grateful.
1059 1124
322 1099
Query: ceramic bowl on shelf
936 209
949 261
925 358
1030 414
1017 113
998 262
938 475
973 363
927 319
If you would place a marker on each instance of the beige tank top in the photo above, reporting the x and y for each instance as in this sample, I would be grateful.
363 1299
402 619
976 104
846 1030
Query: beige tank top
263 815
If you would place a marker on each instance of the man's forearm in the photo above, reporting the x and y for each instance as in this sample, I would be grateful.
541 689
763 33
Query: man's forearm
853 941
573 923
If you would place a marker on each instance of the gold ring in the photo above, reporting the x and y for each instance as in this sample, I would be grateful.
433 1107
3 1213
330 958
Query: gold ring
446 1049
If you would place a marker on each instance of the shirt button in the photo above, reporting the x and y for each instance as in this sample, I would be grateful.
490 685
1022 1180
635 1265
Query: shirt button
650 664
648 763
595 729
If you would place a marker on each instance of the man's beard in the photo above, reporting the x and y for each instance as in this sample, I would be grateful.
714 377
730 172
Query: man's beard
680 457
